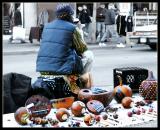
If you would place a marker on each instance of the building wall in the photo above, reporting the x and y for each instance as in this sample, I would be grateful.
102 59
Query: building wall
125 8
51 8
30 15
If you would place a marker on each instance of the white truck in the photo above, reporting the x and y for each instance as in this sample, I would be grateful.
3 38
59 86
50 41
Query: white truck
144 30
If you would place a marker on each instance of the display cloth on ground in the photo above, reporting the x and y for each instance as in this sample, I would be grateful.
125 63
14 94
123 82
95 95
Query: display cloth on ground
122 118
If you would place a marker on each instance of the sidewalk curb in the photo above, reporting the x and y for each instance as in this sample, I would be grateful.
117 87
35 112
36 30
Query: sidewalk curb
91 47
19 52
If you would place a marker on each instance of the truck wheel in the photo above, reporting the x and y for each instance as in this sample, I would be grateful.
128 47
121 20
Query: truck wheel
153 47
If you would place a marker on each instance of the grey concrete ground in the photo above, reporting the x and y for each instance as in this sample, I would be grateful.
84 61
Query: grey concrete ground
21 58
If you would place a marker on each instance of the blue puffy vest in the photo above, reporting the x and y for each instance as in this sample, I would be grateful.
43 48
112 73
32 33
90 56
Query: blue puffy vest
56 53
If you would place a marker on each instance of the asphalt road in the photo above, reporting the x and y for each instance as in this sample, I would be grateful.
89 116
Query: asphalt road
106 59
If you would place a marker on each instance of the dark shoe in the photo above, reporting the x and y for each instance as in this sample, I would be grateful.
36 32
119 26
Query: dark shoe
23 41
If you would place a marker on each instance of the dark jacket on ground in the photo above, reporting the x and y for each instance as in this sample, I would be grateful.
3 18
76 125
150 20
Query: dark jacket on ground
16 91
56 53
109 17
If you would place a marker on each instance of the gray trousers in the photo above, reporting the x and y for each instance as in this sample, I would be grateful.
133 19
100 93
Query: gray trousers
100 30
111 32
86 27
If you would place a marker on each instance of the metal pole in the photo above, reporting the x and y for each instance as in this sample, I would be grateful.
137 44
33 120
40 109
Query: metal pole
93 33
23 15
135 20
147 18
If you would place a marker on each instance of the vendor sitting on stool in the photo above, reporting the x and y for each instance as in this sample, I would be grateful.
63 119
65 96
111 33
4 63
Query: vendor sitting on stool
63 52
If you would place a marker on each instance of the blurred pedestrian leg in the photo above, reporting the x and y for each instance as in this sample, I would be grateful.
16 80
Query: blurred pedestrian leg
100 30
111 35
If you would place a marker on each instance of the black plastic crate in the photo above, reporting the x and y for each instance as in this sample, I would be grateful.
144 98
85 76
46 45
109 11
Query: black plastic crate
132 76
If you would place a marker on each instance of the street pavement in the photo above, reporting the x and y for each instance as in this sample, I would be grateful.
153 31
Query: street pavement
20 49
106 59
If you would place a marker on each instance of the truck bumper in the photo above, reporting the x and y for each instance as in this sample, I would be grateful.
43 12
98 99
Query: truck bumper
143 40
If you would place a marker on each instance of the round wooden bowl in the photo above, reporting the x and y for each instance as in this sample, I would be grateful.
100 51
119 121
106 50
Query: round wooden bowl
86 95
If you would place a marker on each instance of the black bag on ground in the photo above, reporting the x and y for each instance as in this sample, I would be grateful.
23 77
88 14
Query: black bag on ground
16 90
51 88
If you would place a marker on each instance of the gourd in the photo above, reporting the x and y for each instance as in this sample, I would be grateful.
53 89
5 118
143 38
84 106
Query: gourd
148 87
22 116
127 102
78 108
62 114
121 91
